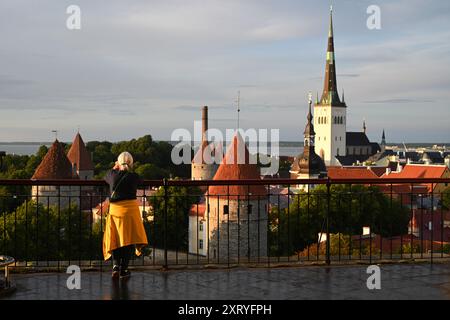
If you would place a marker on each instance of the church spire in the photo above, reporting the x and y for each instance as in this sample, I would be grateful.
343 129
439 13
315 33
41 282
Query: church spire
383 138
309 129
330 94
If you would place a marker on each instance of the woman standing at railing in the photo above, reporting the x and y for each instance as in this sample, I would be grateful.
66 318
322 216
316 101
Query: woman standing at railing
124 231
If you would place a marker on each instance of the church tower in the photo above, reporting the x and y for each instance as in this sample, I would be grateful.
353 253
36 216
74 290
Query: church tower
330 112
383 142
308 165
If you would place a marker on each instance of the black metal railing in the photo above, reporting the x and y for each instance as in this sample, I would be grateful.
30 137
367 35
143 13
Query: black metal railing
53 224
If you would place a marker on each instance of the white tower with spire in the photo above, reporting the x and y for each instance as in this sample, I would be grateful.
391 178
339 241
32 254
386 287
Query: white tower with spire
330 112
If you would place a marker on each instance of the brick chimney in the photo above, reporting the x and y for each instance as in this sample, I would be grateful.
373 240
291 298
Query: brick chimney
204 124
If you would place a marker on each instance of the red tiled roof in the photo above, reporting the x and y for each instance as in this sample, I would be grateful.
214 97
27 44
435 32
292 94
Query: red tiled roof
350 173
198 209
236 165
79 155
413 171
55 165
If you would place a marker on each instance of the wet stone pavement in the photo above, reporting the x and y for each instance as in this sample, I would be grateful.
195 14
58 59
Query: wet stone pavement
409 281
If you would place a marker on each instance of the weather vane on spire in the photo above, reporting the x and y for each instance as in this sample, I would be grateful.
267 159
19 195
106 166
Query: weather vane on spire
238 101
310 97
56 134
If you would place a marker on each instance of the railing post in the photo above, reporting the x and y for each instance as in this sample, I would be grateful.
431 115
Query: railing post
166 201
328 259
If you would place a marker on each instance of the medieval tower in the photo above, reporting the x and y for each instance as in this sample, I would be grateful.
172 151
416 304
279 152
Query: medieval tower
56 166
236 215
80 159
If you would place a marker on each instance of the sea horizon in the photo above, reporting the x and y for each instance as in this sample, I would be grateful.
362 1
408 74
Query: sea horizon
286 148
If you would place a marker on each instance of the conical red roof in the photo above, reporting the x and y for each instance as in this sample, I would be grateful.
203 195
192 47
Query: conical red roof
236 165
79 155
55 165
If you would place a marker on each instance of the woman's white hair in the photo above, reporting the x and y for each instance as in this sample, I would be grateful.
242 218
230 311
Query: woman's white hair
125 160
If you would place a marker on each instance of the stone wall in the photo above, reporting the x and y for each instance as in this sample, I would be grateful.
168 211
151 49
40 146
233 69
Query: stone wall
238 234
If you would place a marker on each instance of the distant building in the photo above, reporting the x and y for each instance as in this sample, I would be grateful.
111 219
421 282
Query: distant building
55 166
198 228
432 157
232 221
203 166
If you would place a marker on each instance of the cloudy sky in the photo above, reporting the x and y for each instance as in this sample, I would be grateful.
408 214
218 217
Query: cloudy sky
146 67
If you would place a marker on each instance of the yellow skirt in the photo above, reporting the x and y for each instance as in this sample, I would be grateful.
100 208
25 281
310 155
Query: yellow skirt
123 227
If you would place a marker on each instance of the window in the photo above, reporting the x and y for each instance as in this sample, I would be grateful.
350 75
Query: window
337 151
335 138
249 209
200 244
200 226
225 209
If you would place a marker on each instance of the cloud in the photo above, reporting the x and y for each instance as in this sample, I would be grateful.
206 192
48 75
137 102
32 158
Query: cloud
6 80
151 60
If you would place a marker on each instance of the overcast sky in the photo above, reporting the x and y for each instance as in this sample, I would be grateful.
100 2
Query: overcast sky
147 67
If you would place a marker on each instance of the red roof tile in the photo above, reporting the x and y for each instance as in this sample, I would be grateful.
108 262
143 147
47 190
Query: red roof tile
55 165
413 171
79 155
350 173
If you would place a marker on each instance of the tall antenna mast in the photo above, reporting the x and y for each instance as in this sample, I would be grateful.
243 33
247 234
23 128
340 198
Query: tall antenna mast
238 107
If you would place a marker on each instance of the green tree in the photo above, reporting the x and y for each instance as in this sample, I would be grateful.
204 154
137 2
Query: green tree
35 232
446 198
296 227
150 171
180 200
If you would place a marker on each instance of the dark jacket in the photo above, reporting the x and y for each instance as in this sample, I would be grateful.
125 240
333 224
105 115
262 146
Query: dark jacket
126 188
